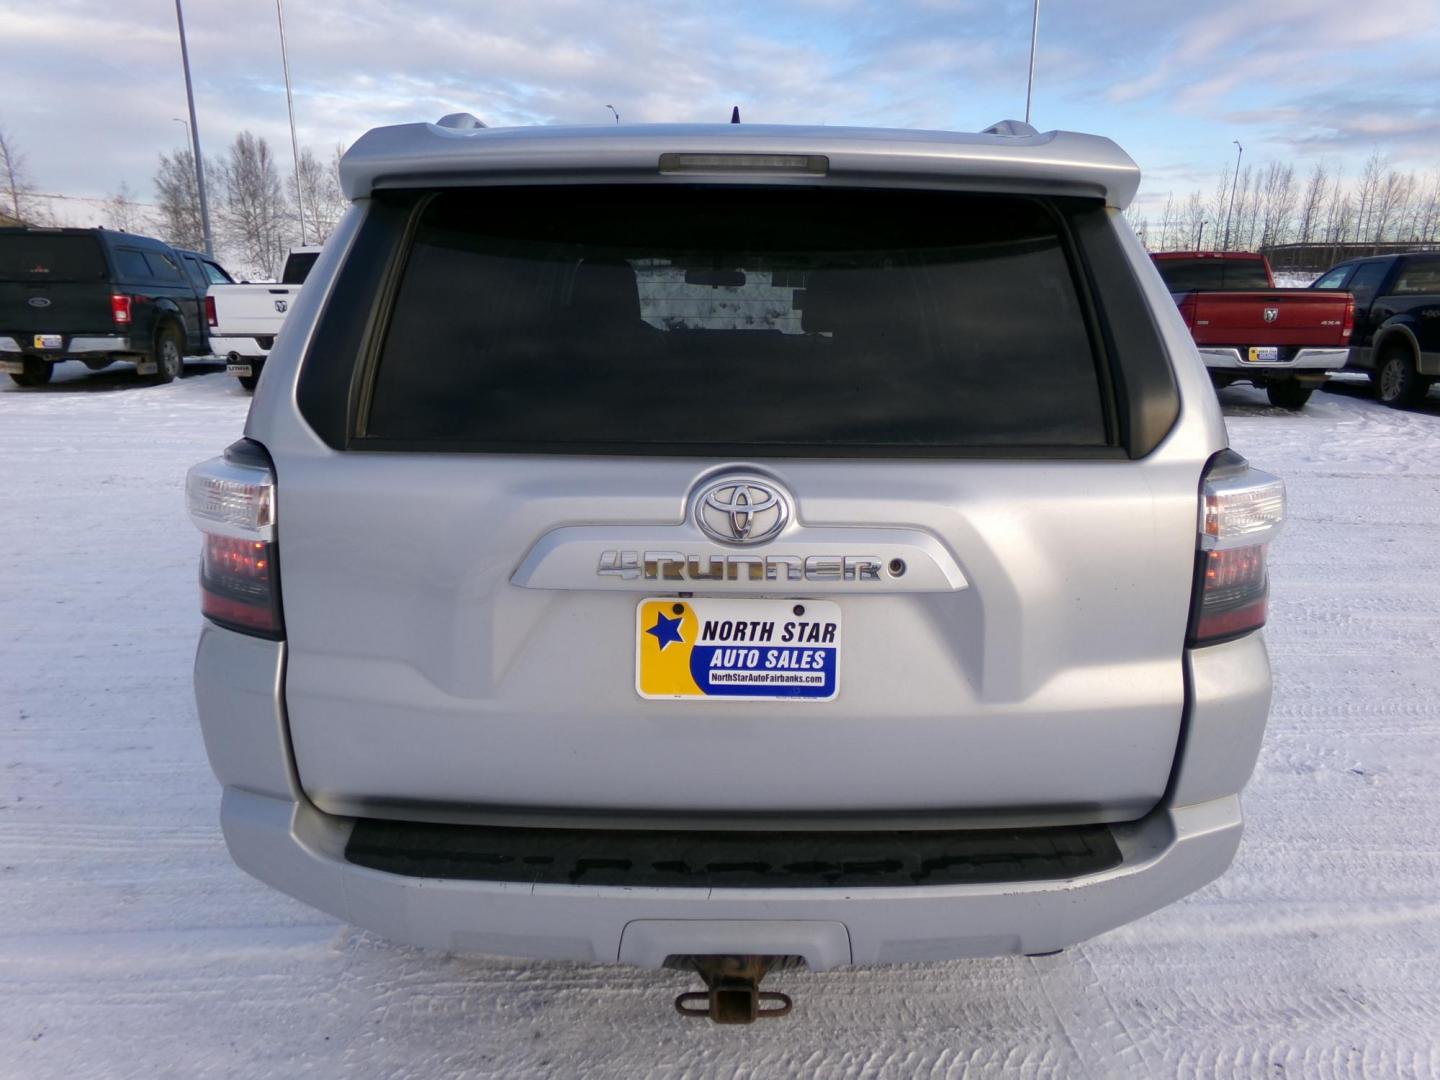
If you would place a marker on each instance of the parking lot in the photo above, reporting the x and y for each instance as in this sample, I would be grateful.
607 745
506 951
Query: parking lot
131 944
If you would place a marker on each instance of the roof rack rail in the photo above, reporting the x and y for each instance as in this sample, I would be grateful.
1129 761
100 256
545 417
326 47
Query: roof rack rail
460 121
1010 127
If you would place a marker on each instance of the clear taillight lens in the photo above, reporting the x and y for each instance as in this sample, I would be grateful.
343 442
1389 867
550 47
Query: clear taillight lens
1241 511
232 501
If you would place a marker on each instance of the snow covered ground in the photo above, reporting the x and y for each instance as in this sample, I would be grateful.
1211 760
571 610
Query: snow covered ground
130 946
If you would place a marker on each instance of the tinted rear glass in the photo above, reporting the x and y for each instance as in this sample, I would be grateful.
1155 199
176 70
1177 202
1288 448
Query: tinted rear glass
676 320
297 268
1213 275
50 258
1418 277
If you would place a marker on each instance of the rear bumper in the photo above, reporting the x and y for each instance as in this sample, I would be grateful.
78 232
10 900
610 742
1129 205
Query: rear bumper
75 345
299 850
242 346
277 835
1308 360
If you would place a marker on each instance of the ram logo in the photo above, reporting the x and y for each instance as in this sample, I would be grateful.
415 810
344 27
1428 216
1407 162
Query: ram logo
281 306
1271 314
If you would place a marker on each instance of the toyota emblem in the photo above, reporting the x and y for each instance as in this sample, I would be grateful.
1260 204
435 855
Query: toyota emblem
741 510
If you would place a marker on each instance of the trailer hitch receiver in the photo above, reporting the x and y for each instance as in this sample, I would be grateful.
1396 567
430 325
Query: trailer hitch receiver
733 994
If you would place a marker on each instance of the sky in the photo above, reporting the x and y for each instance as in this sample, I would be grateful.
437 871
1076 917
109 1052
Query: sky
91 89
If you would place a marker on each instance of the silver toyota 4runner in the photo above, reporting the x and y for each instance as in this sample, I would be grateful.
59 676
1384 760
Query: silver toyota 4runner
733 542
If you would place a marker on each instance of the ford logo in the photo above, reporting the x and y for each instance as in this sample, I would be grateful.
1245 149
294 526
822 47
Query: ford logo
39 301
741 510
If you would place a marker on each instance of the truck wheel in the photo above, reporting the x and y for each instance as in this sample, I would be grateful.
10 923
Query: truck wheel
1398 383
1288 394
167 353
37 372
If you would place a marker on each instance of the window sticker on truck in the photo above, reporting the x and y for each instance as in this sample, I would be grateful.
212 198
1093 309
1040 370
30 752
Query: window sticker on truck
763 650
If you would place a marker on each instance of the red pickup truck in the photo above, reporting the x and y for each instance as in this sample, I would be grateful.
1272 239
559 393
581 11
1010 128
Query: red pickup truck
1247 330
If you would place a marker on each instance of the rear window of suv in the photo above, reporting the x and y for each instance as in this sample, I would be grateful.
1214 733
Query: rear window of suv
32 257
695 320
1213 275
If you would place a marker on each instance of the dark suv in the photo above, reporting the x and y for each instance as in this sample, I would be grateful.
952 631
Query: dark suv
99 296
1397 322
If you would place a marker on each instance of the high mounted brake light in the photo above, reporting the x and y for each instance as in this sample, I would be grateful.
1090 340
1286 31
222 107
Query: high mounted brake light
1241 511
739 164
232 501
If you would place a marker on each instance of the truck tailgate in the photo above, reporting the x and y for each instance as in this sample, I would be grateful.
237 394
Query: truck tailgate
251 310
1299 317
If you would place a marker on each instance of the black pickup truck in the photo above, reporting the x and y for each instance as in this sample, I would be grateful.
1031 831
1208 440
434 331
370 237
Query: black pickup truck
100 296
1397 321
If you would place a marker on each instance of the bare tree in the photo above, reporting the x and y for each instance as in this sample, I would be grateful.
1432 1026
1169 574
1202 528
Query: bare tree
254 216
1197 217
15 186
319 187
179 200
1277 203
1312 203
1390 195
122 212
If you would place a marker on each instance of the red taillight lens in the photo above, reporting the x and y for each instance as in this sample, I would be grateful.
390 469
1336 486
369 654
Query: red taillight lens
120 309
1349 327
1187 311
238 584
210 312
1234 593
232 500
1241 509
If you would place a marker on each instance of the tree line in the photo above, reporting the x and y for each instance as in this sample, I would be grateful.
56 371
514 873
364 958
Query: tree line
254 213
254 203
1271 204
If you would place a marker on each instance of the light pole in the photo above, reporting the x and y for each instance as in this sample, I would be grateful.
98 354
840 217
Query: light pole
290 105
1034 38
1238 151
1200 234
195 136
615 111
187 126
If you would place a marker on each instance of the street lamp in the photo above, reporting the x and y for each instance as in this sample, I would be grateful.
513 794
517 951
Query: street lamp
187 126
613 110
1034 38
290 105
194 130
1238 151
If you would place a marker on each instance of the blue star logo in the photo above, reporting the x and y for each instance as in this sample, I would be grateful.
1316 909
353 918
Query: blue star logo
666 630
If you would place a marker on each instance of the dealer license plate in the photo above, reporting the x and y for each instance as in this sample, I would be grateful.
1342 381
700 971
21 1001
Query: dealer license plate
1261 353
758 650
49 341
237 369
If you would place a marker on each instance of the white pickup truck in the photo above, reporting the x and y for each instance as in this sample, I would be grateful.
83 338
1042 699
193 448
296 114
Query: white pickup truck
244 319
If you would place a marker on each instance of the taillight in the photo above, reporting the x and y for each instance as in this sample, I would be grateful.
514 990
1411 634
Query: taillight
1349 326
1241 511
120 309
232 501
210 311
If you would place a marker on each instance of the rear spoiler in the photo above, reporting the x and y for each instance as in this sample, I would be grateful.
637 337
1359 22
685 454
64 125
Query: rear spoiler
1009 156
